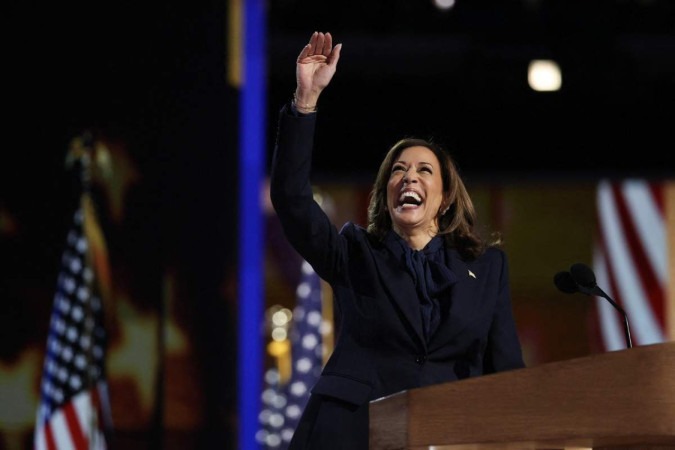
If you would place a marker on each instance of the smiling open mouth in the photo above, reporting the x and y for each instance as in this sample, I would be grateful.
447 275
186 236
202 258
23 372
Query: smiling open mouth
410 198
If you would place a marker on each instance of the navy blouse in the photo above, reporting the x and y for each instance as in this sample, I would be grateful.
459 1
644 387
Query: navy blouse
429 271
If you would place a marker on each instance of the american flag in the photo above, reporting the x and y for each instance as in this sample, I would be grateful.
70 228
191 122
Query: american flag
283 403
74 412
630 261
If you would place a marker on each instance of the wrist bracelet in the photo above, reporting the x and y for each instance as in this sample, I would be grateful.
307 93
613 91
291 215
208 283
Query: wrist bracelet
303 108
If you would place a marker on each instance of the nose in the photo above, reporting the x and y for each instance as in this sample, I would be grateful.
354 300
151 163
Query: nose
410 176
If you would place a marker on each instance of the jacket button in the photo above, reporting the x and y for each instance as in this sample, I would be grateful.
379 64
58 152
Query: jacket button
420 359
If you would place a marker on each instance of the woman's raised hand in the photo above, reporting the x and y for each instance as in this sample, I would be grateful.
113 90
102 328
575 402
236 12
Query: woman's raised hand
315 67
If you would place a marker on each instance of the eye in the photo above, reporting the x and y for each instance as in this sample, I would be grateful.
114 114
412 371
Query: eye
426 169
397 168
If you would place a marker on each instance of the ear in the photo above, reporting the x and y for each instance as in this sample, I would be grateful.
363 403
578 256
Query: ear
445 205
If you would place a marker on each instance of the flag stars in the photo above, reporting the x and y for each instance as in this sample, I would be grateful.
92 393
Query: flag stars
81 245
314 318
77 313
63 305
268 396
50 368
59 325
75 382
303 365
276 420
80 361
309 341
54 346
82 293
47 387
278 401
67 354
71 334
293 411
75 265
303 290
298 388
69 285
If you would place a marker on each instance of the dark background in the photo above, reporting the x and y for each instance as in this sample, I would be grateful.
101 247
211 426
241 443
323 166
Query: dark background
157 72
460 76
149 75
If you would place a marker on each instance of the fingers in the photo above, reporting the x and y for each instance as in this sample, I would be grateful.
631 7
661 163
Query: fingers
313 42
320 44
320 47
327 45
334 55
308 50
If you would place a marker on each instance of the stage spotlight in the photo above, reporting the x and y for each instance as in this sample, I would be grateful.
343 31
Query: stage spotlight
544 75
444 4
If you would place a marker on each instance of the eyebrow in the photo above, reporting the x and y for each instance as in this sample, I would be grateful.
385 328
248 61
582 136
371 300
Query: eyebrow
405 162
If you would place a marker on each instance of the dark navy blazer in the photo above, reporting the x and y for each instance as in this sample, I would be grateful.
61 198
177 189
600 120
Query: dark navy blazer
380 349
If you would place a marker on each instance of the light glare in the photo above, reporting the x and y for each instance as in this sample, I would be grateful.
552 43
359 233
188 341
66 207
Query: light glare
544 75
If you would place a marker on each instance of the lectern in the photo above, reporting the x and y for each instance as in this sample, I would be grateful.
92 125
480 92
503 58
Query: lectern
616 400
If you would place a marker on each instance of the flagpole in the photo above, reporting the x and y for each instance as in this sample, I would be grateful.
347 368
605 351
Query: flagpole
85 161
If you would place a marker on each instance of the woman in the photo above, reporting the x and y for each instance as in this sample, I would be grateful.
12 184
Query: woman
421 298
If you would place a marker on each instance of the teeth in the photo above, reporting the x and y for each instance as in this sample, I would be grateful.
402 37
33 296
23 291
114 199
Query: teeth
410 194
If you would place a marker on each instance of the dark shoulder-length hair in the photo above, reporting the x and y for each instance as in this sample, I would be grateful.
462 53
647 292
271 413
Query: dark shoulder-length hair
457 224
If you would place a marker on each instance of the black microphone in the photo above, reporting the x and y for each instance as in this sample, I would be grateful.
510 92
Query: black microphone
565 282
581 278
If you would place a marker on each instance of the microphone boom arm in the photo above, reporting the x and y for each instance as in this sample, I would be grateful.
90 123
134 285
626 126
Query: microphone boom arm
601 293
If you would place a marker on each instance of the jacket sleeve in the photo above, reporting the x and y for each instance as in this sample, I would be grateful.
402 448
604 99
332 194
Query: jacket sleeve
305 224
504 350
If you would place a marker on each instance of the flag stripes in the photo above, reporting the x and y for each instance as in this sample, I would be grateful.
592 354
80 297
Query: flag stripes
72 427
73 413
631 260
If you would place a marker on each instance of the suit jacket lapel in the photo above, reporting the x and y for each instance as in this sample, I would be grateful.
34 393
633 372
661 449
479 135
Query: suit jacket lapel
461 300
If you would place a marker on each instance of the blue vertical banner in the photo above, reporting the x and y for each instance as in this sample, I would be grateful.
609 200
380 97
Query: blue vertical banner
251 158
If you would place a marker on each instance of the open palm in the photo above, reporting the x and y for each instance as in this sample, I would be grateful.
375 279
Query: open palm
316 65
